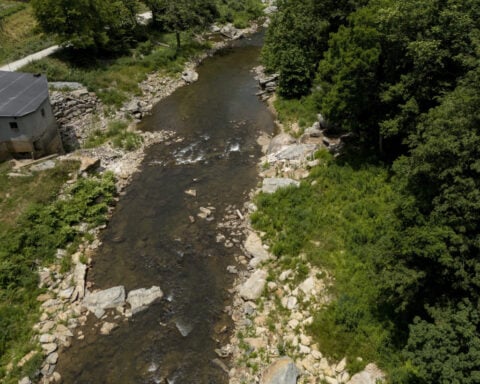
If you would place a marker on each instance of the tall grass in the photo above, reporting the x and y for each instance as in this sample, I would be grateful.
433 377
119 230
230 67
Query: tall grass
336 218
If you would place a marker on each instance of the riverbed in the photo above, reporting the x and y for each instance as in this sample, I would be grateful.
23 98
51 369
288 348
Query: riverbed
156 237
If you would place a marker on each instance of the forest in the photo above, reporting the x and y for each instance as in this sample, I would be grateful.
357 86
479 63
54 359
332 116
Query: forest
402 78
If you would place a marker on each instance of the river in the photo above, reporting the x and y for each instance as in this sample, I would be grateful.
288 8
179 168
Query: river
151 239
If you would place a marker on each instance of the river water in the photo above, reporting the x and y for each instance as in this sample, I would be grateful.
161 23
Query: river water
151 240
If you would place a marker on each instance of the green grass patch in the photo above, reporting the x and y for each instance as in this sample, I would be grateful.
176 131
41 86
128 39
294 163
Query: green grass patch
336 219
19 33
302 111
117 134
42 226
115 79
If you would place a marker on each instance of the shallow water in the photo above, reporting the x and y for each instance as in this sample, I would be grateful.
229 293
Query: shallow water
151 241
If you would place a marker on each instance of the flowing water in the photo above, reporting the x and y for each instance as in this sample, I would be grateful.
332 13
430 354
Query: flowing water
151 240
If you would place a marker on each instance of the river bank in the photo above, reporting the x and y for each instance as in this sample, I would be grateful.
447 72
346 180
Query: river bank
273 307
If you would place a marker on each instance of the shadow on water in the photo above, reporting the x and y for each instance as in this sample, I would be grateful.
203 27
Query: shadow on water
151 240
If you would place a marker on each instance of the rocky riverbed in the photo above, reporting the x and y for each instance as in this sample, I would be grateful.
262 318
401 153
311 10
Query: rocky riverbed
271 308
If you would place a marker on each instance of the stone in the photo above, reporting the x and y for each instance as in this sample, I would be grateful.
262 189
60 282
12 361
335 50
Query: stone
370 375
44 297
88 164
254 247
25 359
140 299
307 286
314 131
25 380
221 364
270 9
305 340
107 328
105 299
252 288
57 378
272 184
46 338
191 192
66 294
279 142
293 323
341 365
189 76
272 286
281 371
316 354
79 279
298 152
285 275
52 358
49 164
133 106
47 326
331 380
49 348
232 269
304 350
289 302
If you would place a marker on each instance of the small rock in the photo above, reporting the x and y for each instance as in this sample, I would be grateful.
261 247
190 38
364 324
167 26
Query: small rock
190 76
52 358
49 348
272 184
107 328
140 299
281 371
341 365
252 288
25 380
191 192
47 338
221 364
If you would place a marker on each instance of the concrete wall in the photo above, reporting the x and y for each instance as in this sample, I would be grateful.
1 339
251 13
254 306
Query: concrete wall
36 133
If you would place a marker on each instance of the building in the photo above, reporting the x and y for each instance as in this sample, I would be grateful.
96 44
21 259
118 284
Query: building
27 124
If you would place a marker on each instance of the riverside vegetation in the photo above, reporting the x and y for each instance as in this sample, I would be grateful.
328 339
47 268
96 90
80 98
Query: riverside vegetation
49 210
395 218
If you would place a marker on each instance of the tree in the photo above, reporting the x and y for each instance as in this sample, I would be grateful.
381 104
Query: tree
297 38
88 23
182 15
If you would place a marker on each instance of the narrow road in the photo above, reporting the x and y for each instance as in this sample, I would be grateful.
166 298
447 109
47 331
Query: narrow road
15 65
28 59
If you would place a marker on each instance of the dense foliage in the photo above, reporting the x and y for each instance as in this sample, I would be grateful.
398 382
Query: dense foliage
404 78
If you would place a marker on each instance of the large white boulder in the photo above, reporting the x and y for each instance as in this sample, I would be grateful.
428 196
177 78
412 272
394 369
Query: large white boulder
140 299
252 288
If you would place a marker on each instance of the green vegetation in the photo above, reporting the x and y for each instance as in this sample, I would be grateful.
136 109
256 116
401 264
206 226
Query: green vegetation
19 34
118 134
335 219
403 78
113 64
39 224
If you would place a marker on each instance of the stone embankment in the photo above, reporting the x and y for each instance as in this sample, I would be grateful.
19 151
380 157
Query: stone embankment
272 307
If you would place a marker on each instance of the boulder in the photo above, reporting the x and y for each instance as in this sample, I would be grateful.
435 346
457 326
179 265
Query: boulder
140 299
79 279
314 130
281 371
370 375
88 164
189 76
279 142
298 152
231 32
25 380
133 106
270 185
254 247
108 298
252 288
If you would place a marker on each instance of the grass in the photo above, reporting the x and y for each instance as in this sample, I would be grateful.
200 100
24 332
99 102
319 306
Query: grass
302 111
115 79
117 134
19 34
39 225
336 219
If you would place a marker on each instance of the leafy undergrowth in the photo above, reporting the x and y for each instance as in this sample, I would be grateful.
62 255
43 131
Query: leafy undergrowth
19 34
302 111
336 218
114 79
30 241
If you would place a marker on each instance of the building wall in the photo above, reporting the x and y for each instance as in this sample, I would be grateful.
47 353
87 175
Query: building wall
36 133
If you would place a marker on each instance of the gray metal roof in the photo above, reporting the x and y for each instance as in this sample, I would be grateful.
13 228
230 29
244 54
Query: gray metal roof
21 93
